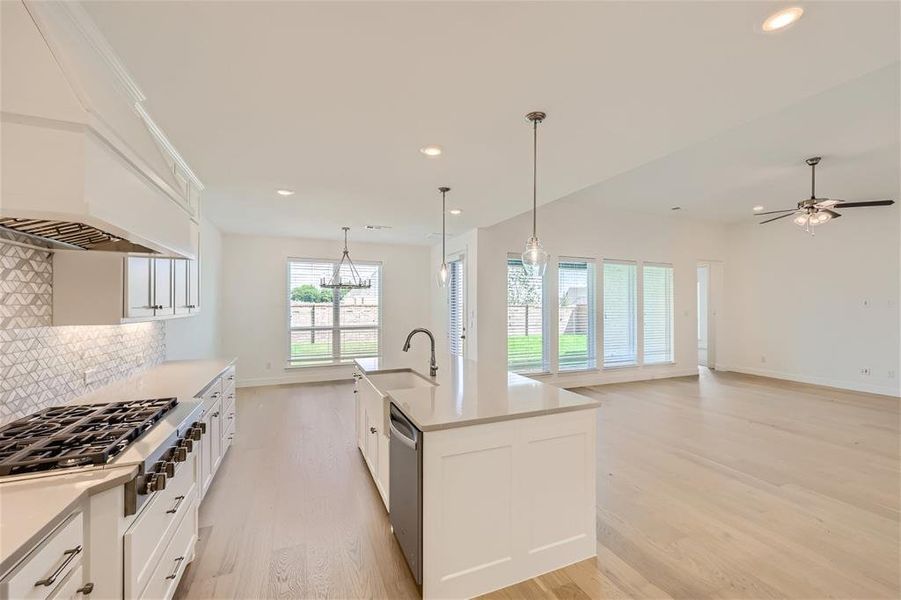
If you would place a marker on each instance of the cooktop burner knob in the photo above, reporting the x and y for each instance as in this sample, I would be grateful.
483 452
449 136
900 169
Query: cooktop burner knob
194 433
200 425
186 444
156 482
165 466
180 454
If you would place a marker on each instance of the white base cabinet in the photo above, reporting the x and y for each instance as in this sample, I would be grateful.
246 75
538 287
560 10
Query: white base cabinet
372 433
220 419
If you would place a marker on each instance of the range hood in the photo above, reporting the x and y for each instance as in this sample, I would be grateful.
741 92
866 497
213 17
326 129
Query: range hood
84 167
64 235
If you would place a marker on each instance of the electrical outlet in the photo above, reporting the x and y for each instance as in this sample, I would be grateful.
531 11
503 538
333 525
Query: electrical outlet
763 358
91 376
268 366
866 303
891 374
865 371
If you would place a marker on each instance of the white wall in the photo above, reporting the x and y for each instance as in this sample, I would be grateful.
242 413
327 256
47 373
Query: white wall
255 303
816 309
200 336
576 227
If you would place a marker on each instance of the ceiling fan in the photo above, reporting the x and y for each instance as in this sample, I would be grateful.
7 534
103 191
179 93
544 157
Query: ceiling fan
816 211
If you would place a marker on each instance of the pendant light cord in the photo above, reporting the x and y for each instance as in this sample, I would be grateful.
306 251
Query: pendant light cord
535 179
443 227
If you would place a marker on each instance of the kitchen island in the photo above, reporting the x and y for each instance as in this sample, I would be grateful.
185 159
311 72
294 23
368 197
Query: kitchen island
506 472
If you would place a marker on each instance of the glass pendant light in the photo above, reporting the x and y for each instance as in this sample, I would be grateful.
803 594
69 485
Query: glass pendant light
442 276
534 257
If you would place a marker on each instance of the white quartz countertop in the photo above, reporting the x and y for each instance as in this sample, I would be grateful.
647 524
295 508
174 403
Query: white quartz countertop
182 379
467 392
31 505
31 508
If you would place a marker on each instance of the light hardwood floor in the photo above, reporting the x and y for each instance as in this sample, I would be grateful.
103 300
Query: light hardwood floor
723 486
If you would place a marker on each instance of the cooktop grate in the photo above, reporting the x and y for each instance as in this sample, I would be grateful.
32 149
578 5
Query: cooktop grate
71 436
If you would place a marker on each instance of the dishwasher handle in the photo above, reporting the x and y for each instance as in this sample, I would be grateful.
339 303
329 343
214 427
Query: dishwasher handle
411 440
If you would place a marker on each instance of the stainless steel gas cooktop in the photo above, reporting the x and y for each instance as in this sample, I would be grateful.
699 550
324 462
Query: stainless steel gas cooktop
76 435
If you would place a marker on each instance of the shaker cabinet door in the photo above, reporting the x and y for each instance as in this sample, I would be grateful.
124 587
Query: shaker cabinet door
139 286
180 285
194 285
162 287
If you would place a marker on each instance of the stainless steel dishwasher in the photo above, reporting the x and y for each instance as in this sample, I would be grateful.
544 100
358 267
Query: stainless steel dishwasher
405 479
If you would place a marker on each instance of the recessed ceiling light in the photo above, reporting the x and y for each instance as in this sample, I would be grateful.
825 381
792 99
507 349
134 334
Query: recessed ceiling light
758 208
456 211
285 192
676 208
377 227
782 19
431 150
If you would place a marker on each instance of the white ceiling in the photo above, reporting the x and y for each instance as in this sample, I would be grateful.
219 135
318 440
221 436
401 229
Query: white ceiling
334 99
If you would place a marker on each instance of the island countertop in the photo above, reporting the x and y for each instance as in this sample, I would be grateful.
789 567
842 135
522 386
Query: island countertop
466 392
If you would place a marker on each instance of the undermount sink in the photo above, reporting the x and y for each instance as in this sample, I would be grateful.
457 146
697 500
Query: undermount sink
398 380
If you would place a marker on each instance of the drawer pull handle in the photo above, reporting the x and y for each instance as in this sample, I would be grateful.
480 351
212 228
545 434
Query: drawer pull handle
70 556
85 589
174 509
174 573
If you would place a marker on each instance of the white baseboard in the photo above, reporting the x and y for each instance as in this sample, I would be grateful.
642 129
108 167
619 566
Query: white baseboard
855 386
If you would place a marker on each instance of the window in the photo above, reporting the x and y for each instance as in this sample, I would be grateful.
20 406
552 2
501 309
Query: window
657 285
456 295
331 326
525 328
576 315
620 310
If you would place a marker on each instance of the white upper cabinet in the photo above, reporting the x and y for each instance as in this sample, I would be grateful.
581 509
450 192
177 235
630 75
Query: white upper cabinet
77 143
108 288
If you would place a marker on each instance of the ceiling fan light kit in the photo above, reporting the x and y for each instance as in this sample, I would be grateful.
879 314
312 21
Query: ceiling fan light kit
816 211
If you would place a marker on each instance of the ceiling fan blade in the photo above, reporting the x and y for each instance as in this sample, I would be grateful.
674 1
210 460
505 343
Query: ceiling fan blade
831 213
869 203
780 217
775 212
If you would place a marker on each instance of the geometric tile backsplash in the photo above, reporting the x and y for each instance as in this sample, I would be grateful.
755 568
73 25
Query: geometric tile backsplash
26 280
42 366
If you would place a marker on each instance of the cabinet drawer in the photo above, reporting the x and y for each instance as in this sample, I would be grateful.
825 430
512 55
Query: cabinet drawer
172 563
48 564
212 394
149 535
71 588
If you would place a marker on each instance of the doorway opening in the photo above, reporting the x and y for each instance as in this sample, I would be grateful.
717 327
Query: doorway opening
703 315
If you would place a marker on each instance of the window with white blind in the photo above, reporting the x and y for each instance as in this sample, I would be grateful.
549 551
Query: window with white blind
576 315
657 288
331 326
526 348
620 313
456 298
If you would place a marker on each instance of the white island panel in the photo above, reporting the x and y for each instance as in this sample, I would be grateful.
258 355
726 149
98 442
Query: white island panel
507 501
